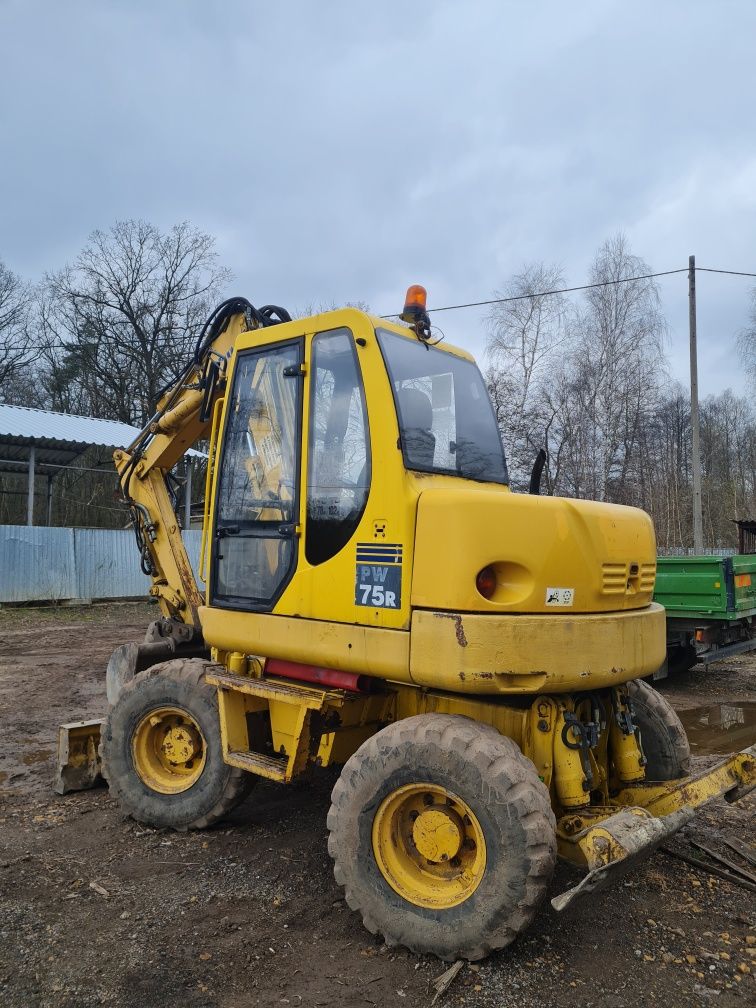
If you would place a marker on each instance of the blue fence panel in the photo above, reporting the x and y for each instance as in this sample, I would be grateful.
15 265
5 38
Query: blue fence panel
107 564
50 564
192 542
36 563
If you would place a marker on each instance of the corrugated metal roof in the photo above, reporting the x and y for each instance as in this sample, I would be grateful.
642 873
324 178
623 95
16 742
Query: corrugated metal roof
57 437
24 422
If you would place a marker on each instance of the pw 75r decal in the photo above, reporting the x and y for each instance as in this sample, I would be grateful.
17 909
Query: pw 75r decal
378 578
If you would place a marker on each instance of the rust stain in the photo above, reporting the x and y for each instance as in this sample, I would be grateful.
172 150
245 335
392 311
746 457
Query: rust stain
459 630
189 584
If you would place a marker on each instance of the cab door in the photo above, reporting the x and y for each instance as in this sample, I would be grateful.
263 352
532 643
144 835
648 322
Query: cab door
257 502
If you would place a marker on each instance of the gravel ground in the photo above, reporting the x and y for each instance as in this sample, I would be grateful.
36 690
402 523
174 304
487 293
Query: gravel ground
95 909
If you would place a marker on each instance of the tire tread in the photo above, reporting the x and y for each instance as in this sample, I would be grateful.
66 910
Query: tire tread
497 759
187 672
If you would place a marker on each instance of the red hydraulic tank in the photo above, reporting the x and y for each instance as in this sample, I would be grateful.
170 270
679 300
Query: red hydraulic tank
313 674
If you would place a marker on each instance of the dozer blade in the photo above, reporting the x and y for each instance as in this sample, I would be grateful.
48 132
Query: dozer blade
78 766
609 841
617 843
732 779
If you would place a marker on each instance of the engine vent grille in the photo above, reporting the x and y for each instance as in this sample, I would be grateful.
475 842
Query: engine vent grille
627 578
647 577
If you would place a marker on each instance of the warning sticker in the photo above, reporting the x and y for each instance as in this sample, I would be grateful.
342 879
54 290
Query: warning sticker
378 576
560 596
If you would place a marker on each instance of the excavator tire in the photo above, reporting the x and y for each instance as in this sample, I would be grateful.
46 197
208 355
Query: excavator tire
665 744
404 795
168 713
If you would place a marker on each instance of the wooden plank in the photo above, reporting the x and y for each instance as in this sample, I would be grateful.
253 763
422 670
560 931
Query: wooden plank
711 869
739 847
748 876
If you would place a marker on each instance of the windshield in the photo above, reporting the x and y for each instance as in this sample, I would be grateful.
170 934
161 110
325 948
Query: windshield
445 417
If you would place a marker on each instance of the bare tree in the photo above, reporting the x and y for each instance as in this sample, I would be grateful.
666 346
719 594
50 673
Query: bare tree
527 331
121 320
15 305
580 379
747 340
618 361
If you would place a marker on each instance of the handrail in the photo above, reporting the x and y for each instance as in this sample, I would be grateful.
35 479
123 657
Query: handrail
211 458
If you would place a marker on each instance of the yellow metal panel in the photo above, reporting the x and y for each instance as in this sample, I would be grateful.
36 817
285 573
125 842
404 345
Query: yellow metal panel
510 721
471 653
604 553
338 746
286 721
366 650
233 722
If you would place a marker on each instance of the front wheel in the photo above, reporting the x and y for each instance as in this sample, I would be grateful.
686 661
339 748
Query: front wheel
442 835
161 749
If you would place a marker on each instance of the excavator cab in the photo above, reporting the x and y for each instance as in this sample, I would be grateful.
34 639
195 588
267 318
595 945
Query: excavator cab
377 598
306 480
358 499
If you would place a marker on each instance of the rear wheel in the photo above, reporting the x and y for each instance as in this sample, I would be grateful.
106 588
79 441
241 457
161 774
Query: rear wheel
665 744
442 835
162 753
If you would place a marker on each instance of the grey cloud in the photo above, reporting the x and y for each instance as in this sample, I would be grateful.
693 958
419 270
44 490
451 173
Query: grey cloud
342 151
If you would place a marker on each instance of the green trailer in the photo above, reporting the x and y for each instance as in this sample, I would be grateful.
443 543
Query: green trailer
711 608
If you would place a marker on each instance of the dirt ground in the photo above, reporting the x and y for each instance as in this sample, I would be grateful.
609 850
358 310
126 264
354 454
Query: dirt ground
95 909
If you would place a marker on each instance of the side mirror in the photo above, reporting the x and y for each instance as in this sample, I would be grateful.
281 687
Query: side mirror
537 472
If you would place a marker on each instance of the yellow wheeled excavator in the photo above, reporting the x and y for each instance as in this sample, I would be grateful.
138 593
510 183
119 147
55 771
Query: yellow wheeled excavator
377 597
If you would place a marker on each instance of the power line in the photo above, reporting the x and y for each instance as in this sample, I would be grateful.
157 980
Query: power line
561 290
569 290
707 269
516 297
479 304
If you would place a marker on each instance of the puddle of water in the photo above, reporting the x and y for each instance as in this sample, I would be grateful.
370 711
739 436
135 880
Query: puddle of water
38 756
720 729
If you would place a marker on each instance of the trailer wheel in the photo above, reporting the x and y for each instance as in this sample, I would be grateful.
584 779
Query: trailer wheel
665 744
442 835
161 749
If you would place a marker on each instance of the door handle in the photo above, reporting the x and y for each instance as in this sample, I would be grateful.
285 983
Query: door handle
228 530
288 531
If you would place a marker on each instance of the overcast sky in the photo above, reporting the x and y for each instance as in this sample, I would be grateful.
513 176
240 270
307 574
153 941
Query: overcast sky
343 150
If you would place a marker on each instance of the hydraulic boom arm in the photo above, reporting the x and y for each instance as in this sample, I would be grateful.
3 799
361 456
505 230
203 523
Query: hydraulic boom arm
182 419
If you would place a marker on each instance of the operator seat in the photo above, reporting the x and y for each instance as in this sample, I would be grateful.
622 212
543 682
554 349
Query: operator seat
417 419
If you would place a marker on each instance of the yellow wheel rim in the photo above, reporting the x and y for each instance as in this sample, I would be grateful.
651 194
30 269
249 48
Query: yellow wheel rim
169 750
429 846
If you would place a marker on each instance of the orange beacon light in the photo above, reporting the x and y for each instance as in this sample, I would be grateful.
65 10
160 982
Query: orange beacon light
414 303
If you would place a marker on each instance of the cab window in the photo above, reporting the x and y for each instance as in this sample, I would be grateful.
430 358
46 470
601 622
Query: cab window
338 470
446 421
256 509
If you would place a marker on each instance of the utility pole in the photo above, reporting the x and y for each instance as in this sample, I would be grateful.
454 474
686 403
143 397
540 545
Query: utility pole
694 421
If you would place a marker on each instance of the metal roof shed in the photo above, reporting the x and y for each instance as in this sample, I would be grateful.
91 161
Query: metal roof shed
44 442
